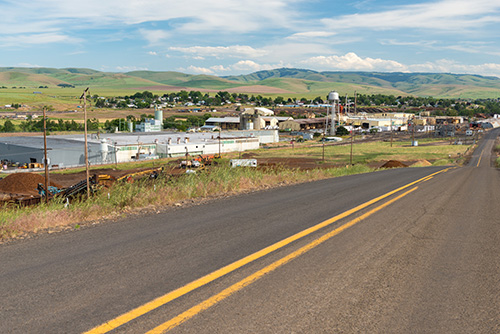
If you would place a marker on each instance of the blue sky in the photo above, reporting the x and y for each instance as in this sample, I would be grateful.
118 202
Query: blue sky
230 37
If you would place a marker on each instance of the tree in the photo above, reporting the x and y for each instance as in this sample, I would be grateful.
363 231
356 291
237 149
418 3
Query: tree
8 126
341 131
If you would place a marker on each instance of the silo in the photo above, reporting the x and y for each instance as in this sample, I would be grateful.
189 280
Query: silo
104 150
158 114
333 96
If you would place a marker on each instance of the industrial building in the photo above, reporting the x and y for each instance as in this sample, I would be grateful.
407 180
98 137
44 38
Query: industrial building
68 150
151 124
250 119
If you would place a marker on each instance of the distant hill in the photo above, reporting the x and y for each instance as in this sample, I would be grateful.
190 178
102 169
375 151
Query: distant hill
283 81
420 84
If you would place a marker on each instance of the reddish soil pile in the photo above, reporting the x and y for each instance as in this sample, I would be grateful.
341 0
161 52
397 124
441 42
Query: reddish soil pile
393 164
23 183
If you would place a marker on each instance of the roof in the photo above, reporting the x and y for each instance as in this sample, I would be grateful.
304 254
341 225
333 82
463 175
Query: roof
279 119
320 120
37 142
223 120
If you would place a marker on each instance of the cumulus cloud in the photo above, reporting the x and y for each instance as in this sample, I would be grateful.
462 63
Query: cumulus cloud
352 62
199 70
450 66
249 65
245 66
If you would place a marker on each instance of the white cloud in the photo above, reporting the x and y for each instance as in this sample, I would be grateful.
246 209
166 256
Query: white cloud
444 15
352 62
154 36
27 65
246 66
221 51
191 16
36 39
450 66
311 34
130 68
153 53
220 68
199 70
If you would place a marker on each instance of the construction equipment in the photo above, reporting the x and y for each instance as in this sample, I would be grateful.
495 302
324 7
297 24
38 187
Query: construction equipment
151 173
206 159
192 164
35 165
52 190
80 188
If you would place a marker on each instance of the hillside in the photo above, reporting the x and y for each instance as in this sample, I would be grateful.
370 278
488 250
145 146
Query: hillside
283 81
420 84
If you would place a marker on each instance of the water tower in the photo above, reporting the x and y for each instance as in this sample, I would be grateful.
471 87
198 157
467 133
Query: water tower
333 98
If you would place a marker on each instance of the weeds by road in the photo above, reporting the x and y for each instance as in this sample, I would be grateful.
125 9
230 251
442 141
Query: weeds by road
153 195
123 199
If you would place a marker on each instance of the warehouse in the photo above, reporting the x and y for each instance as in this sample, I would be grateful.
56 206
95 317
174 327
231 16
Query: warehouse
68 150
61 152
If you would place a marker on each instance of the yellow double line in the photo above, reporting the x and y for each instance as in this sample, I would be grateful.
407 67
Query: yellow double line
160 301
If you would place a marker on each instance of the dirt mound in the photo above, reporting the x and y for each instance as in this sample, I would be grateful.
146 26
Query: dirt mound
23 183
248 155
393 164
421 163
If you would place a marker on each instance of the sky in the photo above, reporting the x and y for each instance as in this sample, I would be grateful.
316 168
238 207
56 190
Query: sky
233 37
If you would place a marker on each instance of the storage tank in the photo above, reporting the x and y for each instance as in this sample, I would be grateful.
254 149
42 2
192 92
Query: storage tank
158 114
104 150
333 96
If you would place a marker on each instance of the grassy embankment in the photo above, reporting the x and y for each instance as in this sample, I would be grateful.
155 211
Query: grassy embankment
438 152
497 151
124 198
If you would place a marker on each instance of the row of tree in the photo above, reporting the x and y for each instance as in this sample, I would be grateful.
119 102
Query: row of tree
147 99
31 125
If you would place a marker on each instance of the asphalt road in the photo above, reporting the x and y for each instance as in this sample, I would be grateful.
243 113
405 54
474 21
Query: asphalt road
427 263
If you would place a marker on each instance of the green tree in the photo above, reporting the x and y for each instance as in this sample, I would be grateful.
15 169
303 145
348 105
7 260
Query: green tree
8 126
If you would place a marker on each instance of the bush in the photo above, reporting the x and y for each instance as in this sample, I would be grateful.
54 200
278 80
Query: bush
341 131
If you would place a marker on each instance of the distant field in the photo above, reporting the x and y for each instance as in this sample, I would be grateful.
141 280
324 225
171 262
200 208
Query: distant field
433 150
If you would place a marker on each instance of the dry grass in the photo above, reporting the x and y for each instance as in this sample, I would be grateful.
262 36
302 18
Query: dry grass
125 198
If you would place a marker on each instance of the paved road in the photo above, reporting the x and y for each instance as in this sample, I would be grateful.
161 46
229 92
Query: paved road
427 263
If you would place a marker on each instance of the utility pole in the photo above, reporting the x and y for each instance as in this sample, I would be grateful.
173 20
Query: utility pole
45 163
355 102
352 139
391 131
413 132
220 130
84 96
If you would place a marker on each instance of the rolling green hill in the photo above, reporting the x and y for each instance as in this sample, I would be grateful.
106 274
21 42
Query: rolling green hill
286 81
420 84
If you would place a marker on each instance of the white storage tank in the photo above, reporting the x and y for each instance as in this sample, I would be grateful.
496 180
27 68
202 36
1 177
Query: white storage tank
333 96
